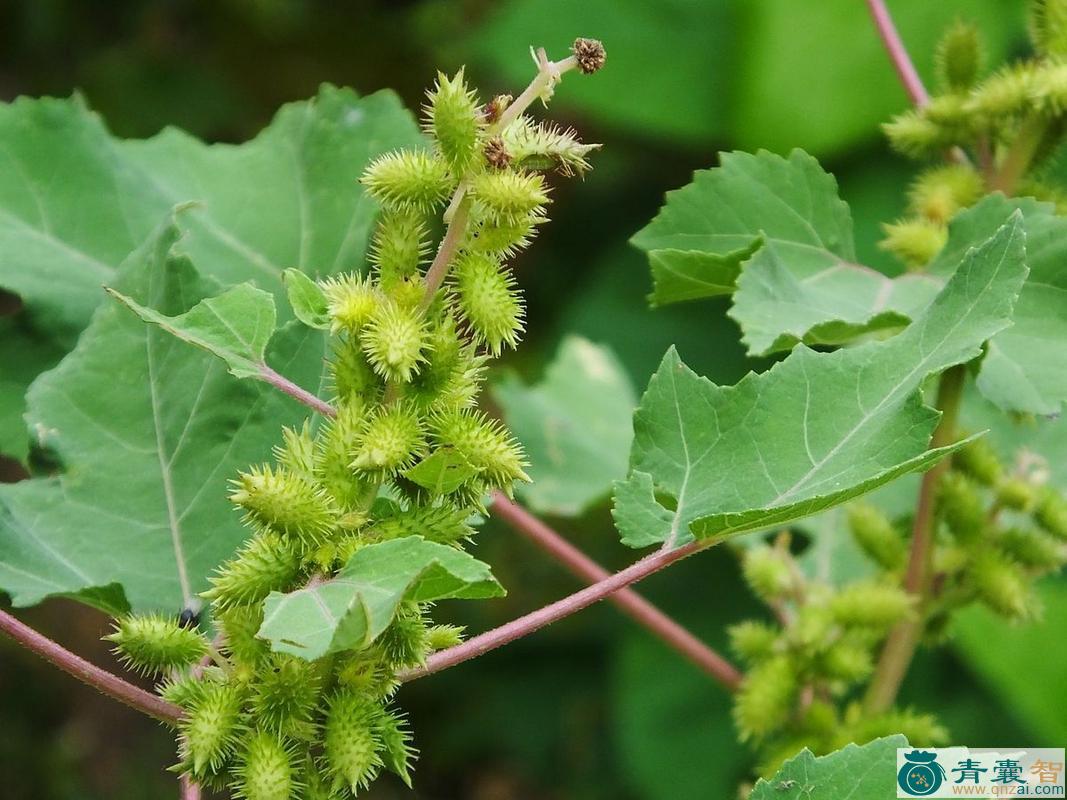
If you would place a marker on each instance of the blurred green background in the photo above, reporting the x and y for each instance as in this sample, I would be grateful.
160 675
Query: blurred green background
591 708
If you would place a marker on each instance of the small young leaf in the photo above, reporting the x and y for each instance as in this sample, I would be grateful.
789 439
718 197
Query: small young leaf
817 428
575 426
351 611
868 771
442 472
235 326
307 299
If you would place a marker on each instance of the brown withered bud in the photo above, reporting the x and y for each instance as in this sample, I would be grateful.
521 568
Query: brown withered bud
590 55
496 154
492 110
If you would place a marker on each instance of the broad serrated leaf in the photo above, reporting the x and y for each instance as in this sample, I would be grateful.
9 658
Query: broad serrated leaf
148 431
307 299
235 326
1025 367
575 426
773 232
813 431
351 610
288 198
866 771
722 217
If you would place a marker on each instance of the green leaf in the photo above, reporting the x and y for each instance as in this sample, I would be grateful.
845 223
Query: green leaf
350 611
868 771
1025 367
24 353
775 230
813 431
575 426
289 197
710 227
442 472
307 299
148 431
235 326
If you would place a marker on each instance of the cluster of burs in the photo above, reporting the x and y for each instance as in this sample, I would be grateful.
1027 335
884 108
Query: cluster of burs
999 132
408 453
997 530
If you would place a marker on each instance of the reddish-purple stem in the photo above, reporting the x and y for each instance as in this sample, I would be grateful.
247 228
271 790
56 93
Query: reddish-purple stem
535 620
302 395
627 600
100 679
636 607
190 789
898 54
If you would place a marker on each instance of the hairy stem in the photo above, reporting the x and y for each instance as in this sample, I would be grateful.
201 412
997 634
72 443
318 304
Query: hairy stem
190 789
548 74
627 600
446 251
632 604
535 620
457 215
904 638
296 392
100 679
898 54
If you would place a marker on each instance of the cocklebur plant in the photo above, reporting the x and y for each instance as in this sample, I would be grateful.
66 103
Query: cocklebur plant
288 685
1000 131
406 454
1002 529
826 665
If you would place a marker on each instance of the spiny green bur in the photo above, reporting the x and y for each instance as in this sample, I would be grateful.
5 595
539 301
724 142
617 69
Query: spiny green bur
409 355
999 529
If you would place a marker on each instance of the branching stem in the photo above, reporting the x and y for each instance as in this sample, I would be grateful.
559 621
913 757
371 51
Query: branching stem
627 600
100 679
535 620
298 393
904 638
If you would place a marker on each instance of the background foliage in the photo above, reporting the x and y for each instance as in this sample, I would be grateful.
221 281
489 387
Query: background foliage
592 707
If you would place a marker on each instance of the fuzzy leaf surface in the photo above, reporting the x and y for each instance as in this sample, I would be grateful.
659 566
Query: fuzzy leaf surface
868 771
351 610
773 232
1025 366
816 429
307 299
235 326
148 430
575 426
75 201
